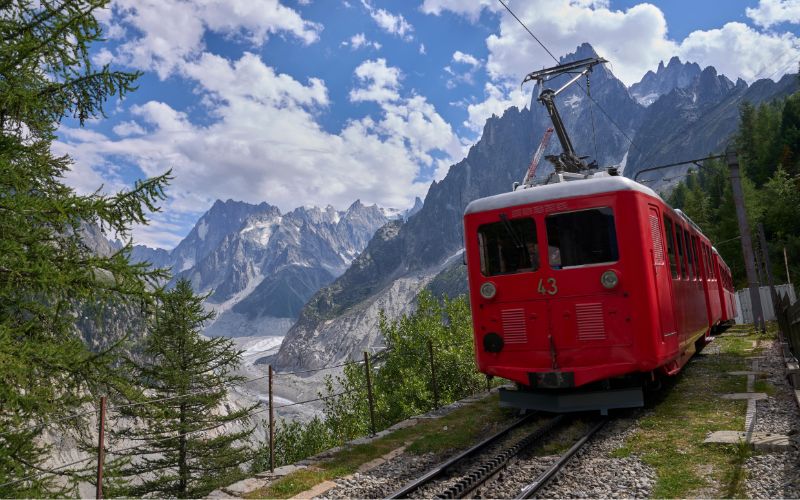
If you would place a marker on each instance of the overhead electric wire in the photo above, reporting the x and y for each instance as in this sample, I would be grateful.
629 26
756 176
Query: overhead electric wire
579 85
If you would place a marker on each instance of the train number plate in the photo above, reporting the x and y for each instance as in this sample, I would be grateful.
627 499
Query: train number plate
548 287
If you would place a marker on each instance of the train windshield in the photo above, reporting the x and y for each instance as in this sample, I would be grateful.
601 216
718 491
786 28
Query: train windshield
581 238
508 247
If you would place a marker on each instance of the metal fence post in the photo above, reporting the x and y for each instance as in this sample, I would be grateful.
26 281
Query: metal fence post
433 376
271 426
101 452
369 392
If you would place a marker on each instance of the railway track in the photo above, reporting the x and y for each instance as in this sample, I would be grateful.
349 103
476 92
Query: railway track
463 483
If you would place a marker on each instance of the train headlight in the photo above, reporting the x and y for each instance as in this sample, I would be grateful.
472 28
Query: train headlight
488 290
609 279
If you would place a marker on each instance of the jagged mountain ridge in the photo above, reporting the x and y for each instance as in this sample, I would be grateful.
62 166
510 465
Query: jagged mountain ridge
339 314
260 265
675 75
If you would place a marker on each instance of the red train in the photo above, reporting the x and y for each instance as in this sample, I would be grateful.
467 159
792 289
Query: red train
584 291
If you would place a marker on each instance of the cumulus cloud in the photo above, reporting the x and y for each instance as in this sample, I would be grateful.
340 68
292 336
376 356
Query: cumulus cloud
394 24
468 8
265 143
634 40
497 98
461 57
772 12
360 40
378 81
158 46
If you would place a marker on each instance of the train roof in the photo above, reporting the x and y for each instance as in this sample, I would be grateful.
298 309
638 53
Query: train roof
546 192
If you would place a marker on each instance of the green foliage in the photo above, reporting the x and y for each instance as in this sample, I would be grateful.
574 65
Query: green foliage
47 273
768 143
295 441
184 449
401 376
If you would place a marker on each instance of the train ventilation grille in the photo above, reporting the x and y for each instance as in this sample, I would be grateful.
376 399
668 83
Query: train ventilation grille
590 321
658 247
514 330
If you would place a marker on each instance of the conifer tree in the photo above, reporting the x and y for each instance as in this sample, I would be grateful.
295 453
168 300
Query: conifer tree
189 442
46 271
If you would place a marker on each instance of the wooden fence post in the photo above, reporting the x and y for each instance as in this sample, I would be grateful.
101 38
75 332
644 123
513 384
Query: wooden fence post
101 452
271 426
369 392
433 375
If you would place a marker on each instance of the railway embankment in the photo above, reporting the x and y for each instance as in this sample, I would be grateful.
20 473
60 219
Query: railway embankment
661 450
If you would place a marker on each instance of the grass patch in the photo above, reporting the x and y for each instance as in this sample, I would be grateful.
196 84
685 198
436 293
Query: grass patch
459 429
670 436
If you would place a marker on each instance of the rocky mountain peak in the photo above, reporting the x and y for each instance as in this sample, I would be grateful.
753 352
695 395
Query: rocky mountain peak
674 75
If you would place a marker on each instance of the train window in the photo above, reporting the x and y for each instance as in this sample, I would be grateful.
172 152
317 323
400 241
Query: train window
689 254
681 255
581 238
508 247
696 257
673 263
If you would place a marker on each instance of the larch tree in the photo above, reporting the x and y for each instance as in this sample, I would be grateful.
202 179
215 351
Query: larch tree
46 270
189 438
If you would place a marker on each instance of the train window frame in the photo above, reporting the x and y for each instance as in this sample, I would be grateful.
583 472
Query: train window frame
681 253
555 251
688 236
669 235
697 271
527 237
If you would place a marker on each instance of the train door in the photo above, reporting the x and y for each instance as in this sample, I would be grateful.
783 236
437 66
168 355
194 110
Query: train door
662 274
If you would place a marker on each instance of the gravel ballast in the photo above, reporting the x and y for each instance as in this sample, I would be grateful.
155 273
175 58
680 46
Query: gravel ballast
776 474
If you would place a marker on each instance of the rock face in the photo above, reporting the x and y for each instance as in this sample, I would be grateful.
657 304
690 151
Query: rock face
675 75
260 266
695 121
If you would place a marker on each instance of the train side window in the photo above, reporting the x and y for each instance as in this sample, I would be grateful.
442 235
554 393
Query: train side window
669 234
508 247
689 259
581 238
681 254
696 254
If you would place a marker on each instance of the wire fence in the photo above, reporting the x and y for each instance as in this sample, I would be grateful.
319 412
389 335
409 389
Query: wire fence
124 411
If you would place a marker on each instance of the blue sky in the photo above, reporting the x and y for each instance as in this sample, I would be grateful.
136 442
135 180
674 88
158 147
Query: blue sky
317 102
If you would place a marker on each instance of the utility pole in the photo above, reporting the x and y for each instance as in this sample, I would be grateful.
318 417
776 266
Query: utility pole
747 241
762 241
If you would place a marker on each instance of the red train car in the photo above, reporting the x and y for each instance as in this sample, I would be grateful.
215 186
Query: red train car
583 290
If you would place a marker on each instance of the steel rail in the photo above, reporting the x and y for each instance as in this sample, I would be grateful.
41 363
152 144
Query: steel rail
480 474
447 464
544 478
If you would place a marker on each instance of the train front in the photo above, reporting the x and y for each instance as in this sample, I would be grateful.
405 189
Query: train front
550 303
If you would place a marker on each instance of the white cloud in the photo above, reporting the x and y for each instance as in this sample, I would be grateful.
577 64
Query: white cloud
771 12
394 24
360 40
161 46
736 50
461 57
633 40
422 50
498 98
265 143
468 8
382 82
